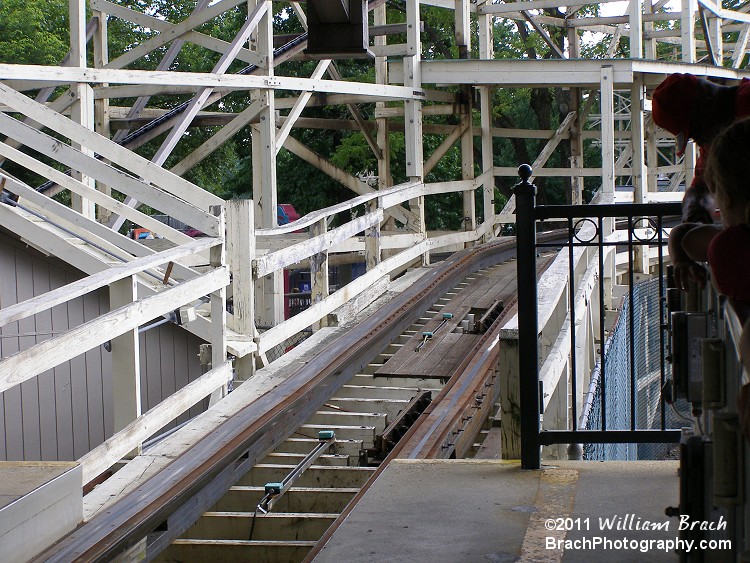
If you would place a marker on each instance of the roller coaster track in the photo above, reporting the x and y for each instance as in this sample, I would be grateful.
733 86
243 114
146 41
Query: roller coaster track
166 505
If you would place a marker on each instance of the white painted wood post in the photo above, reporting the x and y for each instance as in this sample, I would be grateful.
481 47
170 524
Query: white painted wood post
240 254
82 110
381 77
636 29
486 51
687 30
372 240
126 363
269 291
101 106
467 167
649 43
608 129
413 115
218 309
319 272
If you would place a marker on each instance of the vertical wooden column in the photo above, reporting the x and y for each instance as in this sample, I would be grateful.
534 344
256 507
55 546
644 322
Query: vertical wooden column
269 290
607 92
101 106
383 138
576 138
319 271
687 40
649 43
486 51
463 28
218 308
635 14
372 240
413 115
463 40
467 166
240 255
126 363
717 41
687 30
608 129
82 110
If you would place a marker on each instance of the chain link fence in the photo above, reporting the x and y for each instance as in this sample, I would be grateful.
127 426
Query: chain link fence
638 327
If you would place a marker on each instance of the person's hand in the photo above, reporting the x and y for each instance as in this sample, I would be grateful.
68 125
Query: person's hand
685 269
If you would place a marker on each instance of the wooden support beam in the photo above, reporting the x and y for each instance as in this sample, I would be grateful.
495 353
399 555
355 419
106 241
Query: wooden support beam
319 269
126 361
165 27
25 365
198 102
351 182
112 151
275 261
166 62
162 200
241 247
177 30
299 105
457 132
102 200
95 281
219 138
113 449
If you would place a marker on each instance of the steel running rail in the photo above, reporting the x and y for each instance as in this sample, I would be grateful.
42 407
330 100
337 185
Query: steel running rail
176 496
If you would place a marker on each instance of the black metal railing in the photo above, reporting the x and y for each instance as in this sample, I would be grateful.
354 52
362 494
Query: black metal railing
635 219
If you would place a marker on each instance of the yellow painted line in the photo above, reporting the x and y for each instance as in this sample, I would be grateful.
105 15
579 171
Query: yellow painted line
554 500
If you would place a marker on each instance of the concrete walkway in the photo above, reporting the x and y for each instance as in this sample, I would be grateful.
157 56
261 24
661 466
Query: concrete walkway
489 510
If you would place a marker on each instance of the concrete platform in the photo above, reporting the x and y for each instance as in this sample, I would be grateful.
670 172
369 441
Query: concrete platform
490 510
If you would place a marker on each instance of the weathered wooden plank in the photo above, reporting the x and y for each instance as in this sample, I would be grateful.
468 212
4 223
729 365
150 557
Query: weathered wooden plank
87 192
281 332
219 138
25 365
111 451
160 199
274 261
328 416
297 499
316 475
95 281
129 160
163 26
231 551
94 377
176 31
57 75
272 526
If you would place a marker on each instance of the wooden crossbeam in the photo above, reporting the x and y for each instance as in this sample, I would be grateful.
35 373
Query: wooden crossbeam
95 281
115 448
27 364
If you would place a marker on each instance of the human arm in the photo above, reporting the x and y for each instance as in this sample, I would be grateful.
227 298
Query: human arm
685 268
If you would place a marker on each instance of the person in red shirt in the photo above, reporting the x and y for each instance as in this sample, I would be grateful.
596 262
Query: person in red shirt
690 107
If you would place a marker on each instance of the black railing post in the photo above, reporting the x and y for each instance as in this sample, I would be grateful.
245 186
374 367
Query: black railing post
528 329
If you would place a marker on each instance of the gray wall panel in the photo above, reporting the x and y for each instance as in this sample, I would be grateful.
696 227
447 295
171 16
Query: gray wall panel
67 411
